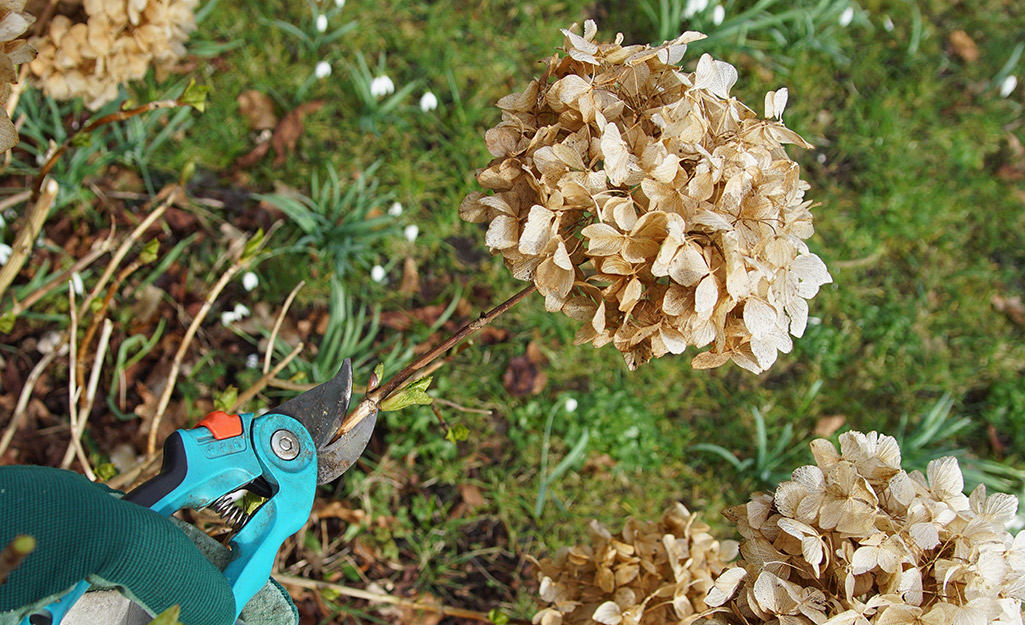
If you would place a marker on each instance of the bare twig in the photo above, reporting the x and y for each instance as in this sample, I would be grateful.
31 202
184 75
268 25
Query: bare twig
62 278
26 395
265 379
74 390
14 553
28 228
240 262
461 408
93 125
75 446
277 325
163 199
359 593
14 200
374 398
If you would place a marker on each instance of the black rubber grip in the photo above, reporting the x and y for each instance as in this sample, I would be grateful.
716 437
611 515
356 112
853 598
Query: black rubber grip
172 473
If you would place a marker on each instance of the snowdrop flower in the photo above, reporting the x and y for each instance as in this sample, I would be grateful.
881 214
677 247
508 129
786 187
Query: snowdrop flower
321 23
339 3
888 24
48 342
377 273
381 86
847 16
250 281
571 405
395 210
1007 85
5 253
252 361
411 231
323 70
229 317
694 7
718 14
428 102
76 283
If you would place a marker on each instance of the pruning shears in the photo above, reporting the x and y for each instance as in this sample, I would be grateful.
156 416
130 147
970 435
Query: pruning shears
281 455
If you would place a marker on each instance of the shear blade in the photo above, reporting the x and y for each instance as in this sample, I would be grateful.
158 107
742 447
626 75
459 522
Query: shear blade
321 411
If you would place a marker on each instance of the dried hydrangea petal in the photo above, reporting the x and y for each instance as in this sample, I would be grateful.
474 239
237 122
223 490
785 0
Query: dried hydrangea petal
679 209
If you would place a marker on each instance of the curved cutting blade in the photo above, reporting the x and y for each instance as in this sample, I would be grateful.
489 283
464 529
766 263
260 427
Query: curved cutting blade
321 409
337 457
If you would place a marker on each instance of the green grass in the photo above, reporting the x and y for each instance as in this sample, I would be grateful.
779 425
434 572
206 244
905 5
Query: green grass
916 225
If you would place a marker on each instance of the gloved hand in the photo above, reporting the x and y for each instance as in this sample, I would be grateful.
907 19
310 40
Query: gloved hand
85 531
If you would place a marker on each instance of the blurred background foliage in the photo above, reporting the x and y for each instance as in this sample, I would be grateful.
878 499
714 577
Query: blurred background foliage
918 171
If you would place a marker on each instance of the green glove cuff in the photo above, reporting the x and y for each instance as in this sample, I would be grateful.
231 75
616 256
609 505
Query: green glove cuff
82 532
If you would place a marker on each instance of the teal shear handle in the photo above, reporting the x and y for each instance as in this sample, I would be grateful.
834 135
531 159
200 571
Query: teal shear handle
272 455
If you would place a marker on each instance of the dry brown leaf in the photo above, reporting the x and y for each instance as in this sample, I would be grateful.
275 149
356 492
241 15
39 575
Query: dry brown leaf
1012 307
827 426
964 46
288 131
258 110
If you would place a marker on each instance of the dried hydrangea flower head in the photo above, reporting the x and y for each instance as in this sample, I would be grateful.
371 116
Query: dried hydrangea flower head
652 206
651 573
108 43
14 21
854 539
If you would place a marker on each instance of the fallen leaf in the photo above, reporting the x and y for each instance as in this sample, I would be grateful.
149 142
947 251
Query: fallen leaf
289 129
523 377
1012 307
827 426
258 110
253 157
471 495
964 46
402 320
410 283
490 335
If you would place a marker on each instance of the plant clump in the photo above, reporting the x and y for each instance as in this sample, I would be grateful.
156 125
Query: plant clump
854 539
14 21
652 206
102 44
651 573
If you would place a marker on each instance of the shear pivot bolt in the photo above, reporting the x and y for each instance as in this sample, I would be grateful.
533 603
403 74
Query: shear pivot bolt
284 444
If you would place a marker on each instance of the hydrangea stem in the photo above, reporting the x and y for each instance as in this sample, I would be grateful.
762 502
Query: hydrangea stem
377 395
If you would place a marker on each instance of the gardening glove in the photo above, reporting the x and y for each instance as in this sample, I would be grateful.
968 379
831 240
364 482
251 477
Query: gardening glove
85 531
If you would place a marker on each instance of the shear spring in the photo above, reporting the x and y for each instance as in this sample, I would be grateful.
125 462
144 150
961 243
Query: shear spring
235 516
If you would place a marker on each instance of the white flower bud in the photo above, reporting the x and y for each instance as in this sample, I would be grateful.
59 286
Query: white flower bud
48 342
321 23
847 17
428 102
250 281
323 70
395 209
1007 85
718 14
571 404
381 86
5 253
228 317
888 24
241 311
694 7
378 273
339 3
252 361
411 231
76 283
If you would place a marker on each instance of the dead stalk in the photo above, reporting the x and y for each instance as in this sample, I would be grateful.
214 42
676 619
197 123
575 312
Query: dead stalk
75 447
14 200
61 278
167 196
183 347
74 391
359 593
277 325
374 398
14 553
26 395
261 384
28 228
